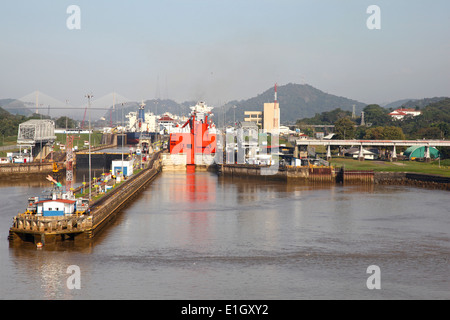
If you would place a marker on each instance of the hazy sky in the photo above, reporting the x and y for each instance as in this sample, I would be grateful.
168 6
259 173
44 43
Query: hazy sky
220 50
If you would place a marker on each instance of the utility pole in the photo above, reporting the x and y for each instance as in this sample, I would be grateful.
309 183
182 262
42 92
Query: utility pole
37 102
123 137
40 133
113 109
89 96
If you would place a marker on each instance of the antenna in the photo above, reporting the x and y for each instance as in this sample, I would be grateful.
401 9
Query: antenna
157 88
166 90
113 109
275 94
275 107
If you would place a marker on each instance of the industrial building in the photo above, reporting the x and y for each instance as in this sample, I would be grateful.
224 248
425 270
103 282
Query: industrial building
254 116
269 119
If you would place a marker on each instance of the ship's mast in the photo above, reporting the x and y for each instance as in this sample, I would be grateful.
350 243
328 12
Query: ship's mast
141 114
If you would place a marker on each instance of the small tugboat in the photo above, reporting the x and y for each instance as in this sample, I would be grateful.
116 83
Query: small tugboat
56 214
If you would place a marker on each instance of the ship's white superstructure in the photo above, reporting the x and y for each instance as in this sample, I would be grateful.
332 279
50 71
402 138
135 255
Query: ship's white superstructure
147 122
150 123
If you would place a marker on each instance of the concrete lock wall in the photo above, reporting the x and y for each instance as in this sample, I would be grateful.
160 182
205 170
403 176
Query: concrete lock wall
26 168
333 175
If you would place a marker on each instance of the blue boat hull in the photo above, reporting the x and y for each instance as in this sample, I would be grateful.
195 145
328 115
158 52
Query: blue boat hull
133 137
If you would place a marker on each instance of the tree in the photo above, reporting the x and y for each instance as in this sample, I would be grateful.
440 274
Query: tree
385 133
444 127
9 123
308 131
375 133
344 128
326 117
429 133
393 133
63 121
360 132
376 115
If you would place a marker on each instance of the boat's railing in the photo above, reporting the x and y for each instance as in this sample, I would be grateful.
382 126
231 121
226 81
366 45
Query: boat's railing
32 222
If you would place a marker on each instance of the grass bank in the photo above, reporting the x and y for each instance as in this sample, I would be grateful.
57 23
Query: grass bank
399 166
96 139
8 141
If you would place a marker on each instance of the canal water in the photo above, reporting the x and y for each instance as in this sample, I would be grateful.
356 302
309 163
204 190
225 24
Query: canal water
199 236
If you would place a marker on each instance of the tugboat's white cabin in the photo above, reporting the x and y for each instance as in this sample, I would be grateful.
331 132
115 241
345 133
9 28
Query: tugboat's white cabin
58 207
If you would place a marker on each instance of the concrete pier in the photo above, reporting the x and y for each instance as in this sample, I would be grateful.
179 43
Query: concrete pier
331 175
413 179
12 170
292 174
105 209
19 170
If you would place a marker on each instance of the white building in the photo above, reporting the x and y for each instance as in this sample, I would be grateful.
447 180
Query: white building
127 168
401 113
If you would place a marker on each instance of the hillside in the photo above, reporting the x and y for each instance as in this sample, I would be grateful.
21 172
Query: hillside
157 106
9 123
434 123
396 104
421 103
296 101
412 103
14 106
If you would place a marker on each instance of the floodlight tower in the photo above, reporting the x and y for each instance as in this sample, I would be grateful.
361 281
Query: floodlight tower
89 96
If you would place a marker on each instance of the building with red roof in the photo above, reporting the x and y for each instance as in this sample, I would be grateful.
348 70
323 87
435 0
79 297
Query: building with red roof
401 113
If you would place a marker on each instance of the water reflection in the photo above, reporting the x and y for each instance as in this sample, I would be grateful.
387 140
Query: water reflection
192 188
40 181
42 274
27 181
197 236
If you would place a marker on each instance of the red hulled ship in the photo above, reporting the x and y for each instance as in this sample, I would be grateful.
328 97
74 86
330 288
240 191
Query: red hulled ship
199 143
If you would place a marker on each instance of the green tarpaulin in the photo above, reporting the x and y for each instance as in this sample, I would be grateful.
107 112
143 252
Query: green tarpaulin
419 152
